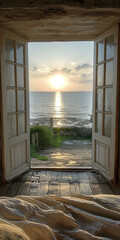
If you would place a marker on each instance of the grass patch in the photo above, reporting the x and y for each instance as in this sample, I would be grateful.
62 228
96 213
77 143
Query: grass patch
34 154
43 158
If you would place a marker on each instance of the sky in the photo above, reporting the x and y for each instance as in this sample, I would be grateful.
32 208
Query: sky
61 66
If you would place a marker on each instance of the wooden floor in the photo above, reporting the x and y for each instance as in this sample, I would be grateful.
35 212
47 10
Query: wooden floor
40 183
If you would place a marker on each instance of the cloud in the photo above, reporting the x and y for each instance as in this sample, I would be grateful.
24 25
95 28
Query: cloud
54 71
74 74
71 70
66 70
85 75
83 66
86 81
83 78
62 70
34 69
82 81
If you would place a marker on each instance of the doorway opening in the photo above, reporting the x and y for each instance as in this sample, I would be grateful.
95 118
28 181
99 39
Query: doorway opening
61 79
15 102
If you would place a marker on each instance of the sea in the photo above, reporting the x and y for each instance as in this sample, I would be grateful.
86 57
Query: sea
67 109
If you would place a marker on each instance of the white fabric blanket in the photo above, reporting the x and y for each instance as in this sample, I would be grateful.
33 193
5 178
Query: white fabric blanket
63 218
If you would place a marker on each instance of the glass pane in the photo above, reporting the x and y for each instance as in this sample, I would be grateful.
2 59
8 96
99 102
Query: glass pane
99 123
109 47
109 73
101 51
21 123
11 125
99 100
21 100
20 77
108 99
100 75
10 75
11 101
20 53
107 125
9 49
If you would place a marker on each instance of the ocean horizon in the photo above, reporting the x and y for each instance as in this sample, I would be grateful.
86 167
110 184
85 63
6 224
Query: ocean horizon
68 109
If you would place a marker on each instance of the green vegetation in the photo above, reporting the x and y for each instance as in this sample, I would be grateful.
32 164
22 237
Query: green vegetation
45 136
59 129
62 134
34 154
73 131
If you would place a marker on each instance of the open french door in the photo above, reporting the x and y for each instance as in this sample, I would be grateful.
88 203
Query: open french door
105 104
15 104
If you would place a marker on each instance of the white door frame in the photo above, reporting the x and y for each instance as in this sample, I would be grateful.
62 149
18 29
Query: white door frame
109 144
21 141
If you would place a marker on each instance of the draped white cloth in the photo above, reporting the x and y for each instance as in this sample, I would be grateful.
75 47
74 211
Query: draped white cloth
75 217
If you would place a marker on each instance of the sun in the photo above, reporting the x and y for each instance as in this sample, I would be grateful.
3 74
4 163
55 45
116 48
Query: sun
58 82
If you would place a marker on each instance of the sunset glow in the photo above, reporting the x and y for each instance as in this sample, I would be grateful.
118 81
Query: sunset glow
58 82
61 66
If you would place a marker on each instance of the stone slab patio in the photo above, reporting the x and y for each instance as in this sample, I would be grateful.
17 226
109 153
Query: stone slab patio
72 153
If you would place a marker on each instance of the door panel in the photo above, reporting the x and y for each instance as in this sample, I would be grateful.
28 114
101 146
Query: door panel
105 102
16 105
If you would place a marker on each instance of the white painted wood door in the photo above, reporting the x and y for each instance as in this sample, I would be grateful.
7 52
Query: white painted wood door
15 104
105 103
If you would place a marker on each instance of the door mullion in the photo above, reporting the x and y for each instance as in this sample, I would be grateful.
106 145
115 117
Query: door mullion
104 69
16 90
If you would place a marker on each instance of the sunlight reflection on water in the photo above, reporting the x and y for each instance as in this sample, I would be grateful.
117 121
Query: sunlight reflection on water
58 106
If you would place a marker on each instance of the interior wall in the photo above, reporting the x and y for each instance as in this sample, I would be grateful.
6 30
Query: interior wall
0 137
118 130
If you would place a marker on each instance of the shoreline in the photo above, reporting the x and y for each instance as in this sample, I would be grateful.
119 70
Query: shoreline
64 122
84 129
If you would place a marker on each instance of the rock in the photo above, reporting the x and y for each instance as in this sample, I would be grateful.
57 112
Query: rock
83 132
74 134
62 133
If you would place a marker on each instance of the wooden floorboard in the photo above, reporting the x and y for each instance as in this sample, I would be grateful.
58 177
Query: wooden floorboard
95 188
65 190
85 189
54 188
23 188
12 190
39 183
43 188
4 188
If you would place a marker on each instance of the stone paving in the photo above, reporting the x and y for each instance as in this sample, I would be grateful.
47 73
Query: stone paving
72 153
